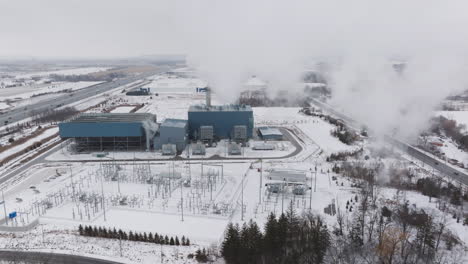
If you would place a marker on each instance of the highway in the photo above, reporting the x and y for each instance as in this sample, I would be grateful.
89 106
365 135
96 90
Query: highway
455 173
20 113
14 256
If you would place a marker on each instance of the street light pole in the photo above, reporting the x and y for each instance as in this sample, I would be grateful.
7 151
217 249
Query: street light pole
260 188
4 208
242 199
182 198
103 200
310 202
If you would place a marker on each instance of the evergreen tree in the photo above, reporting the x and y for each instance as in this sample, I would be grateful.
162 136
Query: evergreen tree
187 242
80 230
150 238
254 242
183 241
271 242
145 237
177 242
95 232
282 233
171 241
88 231
115 234
104 233
131 237
166 240
231 244
243 255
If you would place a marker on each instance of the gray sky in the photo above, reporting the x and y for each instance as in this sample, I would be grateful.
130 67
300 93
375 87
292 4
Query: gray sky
87 28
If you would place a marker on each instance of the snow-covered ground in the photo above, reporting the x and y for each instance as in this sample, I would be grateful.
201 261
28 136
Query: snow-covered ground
47 133
73 71
123 109
149 196
4 105
25 92
172 84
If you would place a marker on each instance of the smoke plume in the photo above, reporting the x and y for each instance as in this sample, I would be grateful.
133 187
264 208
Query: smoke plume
227 41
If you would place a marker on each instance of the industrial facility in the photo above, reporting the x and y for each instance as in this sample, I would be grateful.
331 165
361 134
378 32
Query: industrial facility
206 125
270 133
210 123
110 131
172 131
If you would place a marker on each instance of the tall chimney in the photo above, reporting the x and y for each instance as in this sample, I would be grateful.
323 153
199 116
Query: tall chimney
208 97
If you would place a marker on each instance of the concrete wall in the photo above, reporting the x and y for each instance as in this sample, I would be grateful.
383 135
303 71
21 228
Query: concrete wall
223 122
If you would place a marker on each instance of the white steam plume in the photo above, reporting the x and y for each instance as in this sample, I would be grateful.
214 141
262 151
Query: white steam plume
229 40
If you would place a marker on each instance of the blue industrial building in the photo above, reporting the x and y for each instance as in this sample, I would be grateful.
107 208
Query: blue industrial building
224 119
110 131
172 131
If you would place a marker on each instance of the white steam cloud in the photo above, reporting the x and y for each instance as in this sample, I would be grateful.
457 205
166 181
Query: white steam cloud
229 40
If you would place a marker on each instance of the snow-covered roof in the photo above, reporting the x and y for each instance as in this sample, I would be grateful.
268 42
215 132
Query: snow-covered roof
254 81
169 122
270 131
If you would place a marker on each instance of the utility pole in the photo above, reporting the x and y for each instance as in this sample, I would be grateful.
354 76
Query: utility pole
260 188
43 240
242 199
182 198
310 202
161 253
4 208
315 185
282 196
120 244
103 200
72 184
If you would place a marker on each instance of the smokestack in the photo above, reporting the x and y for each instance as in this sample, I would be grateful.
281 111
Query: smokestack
208 97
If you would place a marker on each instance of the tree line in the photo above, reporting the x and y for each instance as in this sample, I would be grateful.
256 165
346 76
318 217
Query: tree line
103 232
288 238
52 115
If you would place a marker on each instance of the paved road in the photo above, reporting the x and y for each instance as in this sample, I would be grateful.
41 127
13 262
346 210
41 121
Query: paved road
288 135
453 172
50 258
20 113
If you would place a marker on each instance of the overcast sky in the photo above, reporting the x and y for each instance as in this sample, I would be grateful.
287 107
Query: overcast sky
87 28
134 27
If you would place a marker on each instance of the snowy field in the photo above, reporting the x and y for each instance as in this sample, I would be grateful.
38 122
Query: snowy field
73 71
24 92
282 148
47 133
193 198
123 109
172 84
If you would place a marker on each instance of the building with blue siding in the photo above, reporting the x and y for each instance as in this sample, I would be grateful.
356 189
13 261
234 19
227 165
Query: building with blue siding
223 119
172 131
110 131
